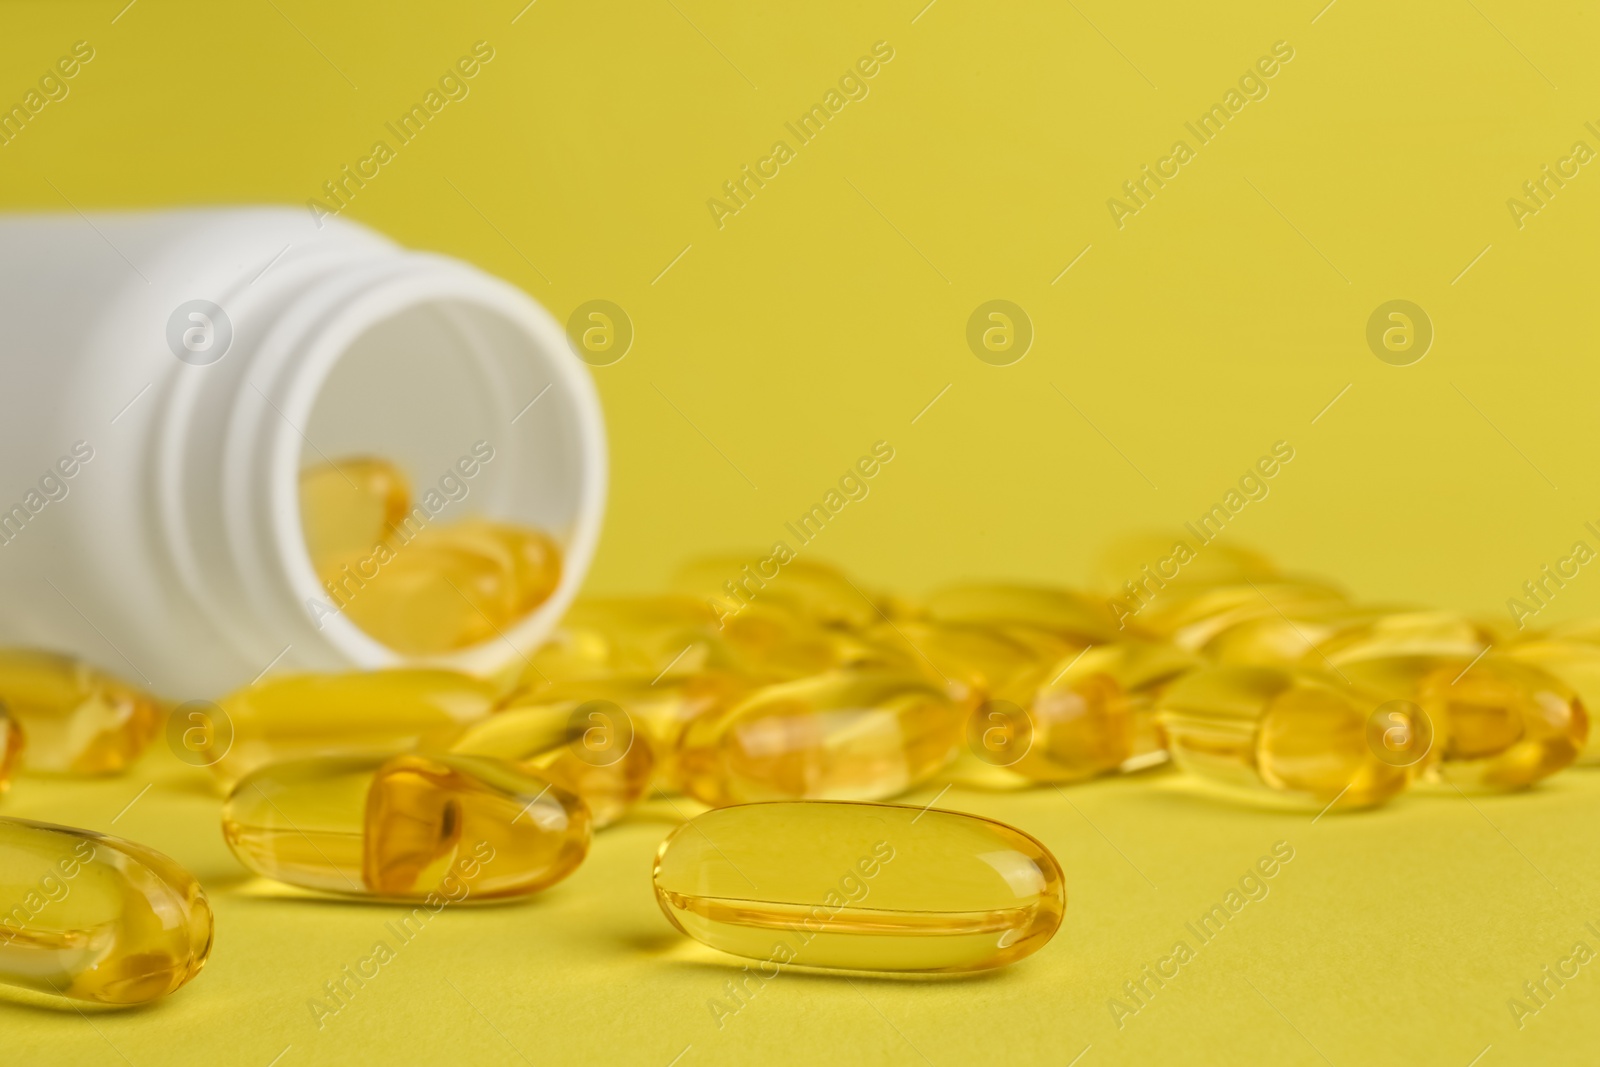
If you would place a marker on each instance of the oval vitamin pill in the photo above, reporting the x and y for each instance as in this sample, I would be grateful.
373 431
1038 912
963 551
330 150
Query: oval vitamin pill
436 828
96 918
854 886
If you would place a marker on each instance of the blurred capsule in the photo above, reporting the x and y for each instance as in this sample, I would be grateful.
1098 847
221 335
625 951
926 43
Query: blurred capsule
96 918
1063 613
437 827
1189 614
815 591
670 636
437 592
1404 634
1577 664
845 735
862 887
590 748
1147 562
1285 639
76 719
1296 733
348 507
972 662
1502 723
767 644
534 558
10 747
296 716
1090 714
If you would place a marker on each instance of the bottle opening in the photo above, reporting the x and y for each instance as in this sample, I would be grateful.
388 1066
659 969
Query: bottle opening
447 477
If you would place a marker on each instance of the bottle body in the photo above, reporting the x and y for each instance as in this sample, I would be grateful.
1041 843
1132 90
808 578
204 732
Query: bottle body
165 376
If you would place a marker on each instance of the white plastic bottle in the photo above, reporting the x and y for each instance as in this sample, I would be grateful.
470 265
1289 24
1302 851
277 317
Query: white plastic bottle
165 376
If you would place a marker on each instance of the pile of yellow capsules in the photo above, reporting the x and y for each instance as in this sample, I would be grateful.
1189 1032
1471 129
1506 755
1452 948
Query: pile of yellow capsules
790 701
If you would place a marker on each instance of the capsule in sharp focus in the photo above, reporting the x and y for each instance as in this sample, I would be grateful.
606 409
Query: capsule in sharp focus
429 827
96 918
844 735
76 719
296 716
1294 733
869 887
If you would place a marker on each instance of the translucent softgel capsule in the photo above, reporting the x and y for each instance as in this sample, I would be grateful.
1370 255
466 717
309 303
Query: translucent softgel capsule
1095 712
347 507
1577 664
590 748
813 590
1502 724
850 735
1295 733
666 636
1057 611
868 887
10 747
433 593
296 716
96 918
425 827
1191 614
77 720
972 662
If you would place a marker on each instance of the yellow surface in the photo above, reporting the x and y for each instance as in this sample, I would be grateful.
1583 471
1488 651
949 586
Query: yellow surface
825 316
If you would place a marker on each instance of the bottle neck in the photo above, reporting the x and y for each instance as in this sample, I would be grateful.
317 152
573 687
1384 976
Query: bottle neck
416 358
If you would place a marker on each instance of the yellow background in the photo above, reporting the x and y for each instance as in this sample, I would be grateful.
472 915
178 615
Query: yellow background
825 316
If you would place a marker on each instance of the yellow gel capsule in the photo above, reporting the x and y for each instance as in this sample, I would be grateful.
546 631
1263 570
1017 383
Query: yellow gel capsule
1503 724
972 662
1095 713
1066 614
77 719
1405 634
845 735
1295 733
10 747
668 636
1152 558
812 590
534 558
1577 664
771 645
435 593
1189 615
660 708
96 918
590 748
348 506
433 827
296 716
861 887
